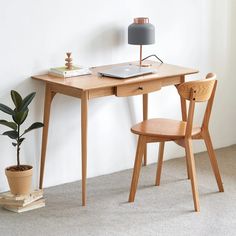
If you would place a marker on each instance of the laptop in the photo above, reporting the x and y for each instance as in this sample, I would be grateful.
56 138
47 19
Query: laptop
126 71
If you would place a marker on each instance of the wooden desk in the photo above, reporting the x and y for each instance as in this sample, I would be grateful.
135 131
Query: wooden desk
93 86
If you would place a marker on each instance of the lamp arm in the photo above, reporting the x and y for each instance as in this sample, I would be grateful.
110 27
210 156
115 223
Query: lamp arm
153 55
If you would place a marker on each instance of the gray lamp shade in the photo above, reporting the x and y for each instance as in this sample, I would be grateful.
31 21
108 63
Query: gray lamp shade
141 32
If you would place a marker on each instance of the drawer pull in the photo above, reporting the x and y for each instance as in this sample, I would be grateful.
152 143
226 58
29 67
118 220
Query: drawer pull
140 88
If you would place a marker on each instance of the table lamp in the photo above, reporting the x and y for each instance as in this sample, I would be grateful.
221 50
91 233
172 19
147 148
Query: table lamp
141 32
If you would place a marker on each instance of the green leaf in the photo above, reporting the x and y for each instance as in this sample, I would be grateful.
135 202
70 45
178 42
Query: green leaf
19 117
14 144
11 134
8 124
26 101
16 98
21 140
35 125
6 109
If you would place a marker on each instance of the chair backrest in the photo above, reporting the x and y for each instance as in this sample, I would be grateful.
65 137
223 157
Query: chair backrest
202 89
198 91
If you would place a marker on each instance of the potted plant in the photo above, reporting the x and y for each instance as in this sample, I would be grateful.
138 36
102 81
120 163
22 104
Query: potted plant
19 176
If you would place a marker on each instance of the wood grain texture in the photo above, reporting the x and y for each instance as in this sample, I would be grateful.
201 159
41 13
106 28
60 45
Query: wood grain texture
138 88
159 163
213 160
96 93
183 102
94 86
207 114
182 132
184 118
167 74
49 95
84 124
137 167
202 89
189 127
58 88
163 128
145 117
192 171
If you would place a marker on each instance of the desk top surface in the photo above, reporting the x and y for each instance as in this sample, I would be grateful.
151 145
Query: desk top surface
95 81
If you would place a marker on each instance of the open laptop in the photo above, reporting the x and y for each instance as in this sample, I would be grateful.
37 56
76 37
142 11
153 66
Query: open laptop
126 71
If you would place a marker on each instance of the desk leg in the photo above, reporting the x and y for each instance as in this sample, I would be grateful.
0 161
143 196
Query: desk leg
184 118
84 124
47 107
145 117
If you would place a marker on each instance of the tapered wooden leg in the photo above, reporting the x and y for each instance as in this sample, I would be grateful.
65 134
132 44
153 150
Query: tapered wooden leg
137 167
84 122
145 155
47 107
160 162
145 117
213 160
192 171
181 143
187 165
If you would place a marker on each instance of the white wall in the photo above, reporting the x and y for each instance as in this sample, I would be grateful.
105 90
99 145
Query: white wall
35 36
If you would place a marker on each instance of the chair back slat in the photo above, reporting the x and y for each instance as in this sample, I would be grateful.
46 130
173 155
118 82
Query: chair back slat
189 127
202 89
198 91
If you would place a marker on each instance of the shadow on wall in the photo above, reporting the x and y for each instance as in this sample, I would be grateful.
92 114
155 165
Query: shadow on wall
105 40
232 21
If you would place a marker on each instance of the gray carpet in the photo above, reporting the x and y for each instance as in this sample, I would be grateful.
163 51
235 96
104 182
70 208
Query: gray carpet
164 210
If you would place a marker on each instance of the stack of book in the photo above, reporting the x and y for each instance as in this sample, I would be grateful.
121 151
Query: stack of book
66 73
22 203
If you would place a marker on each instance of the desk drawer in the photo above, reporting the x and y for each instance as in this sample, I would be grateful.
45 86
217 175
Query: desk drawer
137 88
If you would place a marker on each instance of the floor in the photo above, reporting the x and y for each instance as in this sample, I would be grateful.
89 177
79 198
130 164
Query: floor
164 210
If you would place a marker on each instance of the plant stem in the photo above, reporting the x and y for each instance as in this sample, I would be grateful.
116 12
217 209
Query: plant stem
18 147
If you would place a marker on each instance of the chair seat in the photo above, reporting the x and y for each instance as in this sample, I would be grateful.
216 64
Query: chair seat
164 128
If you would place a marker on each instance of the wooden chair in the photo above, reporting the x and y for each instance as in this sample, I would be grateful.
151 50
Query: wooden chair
181 132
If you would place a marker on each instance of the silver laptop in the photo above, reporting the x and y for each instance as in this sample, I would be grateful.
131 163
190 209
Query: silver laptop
126 71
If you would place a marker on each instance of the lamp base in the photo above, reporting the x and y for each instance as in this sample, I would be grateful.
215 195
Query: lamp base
144 64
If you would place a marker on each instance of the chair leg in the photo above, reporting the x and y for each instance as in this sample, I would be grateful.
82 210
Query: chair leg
192 171
187 164
213 160
145 156
159 163
137 167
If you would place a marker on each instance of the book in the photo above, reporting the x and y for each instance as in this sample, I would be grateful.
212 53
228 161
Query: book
9 195
20 200
33 205
66 73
